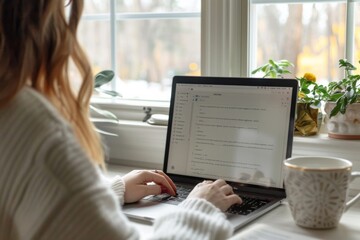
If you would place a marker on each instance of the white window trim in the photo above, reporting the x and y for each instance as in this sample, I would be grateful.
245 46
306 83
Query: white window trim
224 46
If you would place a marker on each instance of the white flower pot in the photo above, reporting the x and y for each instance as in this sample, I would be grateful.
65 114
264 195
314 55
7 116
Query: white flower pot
343 126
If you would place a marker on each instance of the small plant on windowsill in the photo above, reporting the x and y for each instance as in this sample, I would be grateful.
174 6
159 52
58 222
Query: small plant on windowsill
342 104
274 69
346 91
308 114
102 78
310 92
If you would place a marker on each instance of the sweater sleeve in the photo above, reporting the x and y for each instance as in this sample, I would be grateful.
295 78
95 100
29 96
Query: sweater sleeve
195 219
118 186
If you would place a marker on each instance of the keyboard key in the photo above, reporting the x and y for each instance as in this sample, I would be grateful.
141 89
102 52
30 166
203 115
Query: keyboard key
247 206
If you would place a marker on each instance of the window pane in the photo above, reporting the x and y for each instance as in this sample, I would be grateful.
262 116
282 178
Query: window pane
94 33
311 35
94 37
155 40
151 52
152 49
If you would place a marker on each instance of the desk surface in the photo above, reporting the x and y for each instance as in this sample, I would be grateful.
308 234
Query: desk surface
279 221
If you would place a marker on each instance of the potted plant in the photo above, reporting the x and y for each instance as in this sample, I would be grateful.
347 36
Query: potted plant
308 114
342 105
308 117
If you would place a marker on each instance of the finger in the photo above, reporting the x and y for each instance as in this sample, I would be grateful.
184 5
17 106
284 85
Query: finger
220 182
151 189
160 180
233 199
227 189
168 179
207 181
172 184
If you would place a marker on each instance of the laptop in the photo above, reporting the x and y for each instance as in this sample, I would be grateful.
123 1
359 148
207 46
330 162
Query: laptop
236 129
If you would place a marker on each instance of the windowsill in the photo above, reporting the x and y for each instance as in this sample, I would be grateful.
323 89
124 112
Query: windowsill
127 103
132 110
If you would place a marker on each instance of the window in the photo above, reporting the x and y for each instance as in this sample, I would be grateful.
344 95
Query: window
235 36
146 42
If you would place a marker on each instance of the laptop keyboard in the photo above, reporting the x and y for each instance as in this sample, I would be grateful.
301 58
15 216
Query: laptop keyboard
248 205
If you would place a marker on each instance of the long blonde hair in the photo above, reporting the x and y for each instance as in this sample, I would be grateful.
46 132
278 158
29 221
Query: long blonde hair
37 43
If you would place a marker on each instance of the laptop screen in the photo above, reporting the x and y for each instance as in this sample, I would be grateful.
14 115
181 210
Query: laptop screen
236 129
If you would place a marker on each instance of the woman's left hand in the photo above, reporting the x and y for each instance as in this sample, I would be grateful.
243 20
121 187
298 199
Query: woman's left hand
141 183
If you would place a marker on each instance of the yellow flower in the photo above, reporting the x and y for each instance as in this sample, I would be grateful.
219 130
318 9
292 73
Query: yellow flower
310 77
301 94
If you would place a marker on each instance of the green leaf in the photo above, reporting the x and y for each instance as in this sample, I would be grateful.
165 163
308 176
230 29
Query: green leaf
334 111
273 74
272 62
286 72
316 104
256 70
335 97
306 91
347 65
264 68
103 77
344 103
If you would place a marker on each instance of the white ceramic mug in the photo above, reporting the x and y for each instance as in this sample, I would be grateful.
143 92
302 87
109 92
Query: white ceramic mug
316 189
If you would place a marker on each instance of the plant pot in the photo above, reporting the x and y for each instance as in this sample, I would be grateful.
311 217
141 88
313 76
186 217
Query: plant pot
343 126
307 122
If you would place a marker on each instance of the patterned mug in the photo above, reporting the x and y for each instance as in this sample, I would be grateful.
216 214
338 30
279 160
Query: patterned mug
316 189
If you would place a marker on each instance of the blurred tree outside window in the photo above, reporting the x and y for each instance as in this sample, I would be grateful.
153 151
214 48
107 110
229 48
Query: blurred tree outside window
310 35
155 40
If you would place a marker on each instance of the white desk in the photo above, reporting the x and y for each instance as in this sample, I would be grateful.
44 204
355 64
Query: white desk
279 219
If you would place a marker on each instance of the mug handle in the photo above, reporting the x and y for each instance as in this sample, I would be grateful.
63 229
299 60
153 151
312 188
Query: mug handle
357 197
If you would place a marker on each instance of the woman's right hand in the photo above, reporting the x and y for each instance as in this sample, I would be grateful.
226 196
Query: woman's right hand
219 193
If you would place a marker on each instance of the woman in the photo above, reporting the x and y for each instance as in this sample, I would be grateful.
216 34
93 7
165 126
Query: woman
50 183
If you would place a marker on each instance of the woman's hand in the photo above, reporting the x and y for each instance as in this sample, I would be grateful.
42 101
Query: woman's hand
141 183
219 193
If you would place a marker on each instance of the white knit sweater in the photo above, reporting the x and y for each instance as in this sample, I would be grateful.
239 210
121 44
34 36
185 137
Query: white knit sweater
50 190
